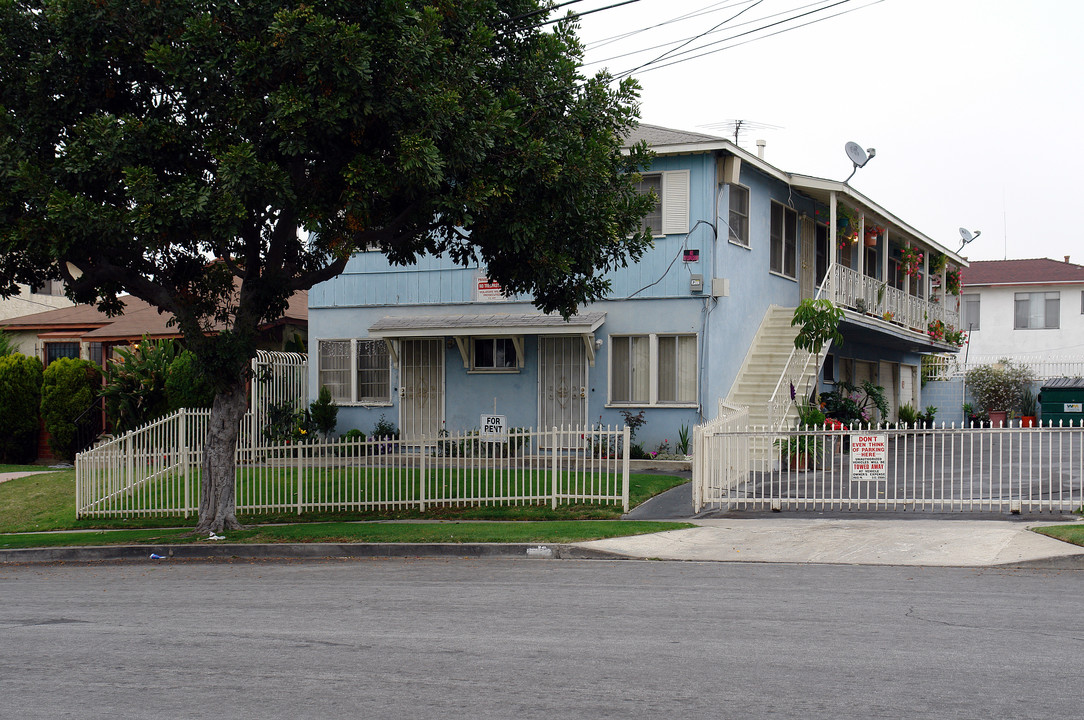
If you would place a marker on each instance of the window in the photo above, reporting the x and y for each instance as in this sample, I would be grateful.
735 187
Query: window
653 220
970 316
57 350
49 287
630 374
871 263
784 240
677 369
494 354
334 373
374 371
1037 310
653 370
739 215
355 371
671 215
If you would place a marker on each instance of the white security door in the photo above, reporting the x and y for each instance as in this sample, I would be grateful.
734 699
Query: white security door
421 389
908 378
562 382
889 381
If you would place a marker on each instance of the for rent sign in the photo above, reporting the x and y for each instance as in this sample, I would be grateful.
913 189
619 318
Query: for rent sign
869 456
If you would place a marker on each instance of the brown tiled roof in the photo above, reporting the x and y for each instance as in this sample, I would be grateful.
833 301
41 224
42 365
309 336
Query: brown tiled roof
1022 272
139 319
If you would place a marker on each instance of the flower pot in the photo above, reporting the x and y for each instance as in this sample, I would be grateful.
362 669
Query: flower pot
1027 421
999 418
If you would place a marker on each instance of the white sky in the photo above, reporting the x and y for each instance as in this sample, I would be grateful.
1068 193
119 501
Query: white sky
975 107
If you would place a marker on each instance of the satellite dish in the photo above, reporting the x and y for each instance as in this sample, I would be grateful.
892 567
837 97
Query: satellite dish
856 153
967 236
858 156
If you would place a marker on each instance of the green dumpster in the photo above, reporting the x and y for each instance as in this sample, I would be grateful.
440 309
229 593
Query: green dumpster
1061 402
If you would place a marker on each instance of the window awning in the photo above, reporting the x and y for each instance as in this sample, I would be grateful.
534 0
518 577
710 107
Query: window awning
397 327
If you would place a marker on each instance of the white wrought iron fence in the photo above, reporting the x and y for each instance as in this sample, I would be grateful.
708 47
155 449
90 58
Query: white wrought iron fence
942 469
278 379
155 471
948 367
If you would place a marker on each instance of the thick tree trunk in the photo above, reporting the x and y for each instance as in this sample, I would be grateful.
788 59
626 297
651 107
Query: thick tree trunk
218 501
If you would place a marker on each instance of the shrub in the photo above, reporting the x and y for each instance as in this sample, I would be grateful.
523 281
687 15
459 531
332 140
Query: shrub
323 412
1001 386
187 385
20 400
384 430
7 345
67 390
135 384
908 414
853 406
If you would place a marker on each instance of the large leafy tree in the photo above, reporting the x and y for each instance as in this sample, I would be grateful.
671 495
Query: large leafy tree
213 156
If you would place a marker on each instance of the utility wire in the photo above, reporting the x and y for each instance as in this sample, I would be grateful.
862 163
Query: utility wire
706 10
763 37
576 16
692 39
672 42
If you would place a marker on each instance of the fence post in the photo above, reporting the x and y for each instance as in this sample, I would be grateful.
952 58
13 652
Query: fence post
183 430
300 485
129 464
625 470
422 479
698 471
553 470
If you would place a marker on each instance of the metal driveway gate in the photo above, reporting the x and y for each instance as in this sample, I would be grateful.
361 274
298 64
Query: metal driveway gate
1033 470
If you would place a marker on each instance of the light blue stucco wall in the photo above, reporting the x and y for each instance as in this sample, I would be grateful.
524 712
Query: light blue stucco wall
652 296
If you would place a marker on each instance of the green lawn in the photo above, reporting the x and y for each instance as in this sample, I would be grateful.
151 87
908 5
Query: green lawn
47 502
1069 533
443 532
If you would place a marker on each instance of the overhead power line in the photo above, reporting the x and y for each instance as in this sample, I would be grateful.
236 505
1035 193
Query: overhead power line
762 37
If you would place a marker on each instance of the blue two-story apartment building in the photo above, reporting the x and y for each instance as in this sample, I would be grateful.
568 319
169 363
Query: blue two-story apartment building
704 316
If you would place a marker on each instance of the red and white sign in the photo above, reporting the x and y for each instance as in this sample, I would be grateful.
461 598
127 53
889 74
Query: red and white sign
869 457
487 290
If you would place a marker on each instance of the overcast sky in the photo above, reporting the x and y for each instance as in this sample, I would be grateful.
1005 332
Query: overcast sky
975 107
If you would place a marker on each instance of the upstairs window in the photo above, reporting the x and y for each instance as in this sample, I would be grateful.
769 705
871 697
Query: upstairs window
739 215
1037 310
671 215
970 307
784 240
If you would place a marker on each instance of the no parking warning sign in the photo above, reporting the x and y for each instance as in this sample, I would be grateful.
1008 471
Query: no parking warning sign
869 457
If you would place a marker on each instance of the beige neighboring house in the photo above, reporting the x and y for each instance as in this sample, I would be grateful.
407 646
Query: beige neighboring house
34 300
83 331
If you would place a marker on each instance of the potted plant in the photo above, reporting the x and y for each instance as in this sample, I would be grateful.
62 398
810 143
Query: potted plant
911 261
1029 408
998 388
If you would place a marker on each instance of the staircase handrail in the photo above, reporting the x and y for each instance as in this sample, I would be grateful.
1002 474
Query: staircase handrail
779 407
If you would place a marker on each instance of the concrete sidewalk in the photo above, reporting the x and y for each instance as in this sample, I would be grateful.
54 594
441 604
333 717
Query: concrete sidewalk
889 541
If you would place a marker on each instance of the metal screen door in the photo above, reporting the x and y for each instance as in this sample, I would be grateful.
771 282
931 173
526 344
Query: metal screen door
421 389
562 382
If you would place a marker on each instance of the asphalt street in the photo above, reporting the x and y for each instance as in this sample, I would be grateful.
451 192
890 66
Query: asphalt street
498 638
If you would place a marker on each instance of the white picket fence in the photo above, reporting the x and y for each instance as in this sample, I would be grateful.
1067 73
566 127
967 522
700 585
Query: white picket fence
944 469
155 470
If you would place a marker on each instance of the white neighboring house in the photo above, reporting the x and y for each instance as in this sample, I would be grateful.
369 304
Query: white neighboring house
1027 310
34 300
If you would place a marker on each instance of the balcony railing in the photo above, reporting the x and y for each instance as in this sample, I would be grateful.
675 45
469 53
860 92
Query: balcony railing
852 290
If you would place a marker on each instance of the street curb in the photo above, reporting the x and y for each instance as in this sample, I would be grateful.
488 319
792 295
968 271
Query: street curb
301 551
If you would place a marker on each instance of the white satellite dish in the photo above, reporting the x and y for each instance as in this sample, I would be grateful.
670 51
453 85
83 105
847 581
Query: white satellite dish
858 156
967 236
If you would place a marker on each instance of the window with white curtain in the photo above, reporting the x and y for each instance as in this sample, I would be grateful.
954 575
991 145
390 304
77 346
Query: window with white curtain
355 371
334 372
653 369
1037 310
972 307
